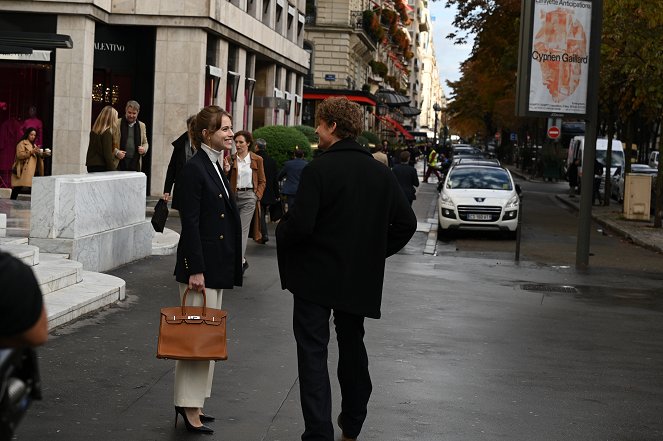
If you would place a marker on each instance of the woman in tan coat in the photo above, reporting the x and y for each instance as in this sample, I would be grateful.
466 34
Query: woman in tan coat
29 159
247 182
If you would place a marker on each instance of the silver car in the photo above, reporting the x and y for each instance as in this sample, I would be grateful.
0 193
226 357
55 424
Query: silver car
617 189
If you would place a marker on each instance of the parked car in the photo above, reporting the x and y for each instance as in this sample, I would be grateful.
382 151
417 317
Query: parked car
480 197
465 150
617 189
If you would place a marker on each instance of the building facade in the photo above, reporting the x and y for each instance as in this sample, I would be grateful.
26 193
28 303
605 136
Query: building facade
171 56
378 53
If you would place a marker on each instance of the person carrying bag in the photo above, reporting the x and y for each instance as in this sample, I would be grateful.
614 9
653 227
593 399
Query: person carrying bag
209 260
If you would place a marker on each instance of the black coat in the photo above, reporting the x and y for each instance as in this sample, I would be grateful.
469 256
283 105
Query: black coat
350 216
407 177
269 196
177 161
211 237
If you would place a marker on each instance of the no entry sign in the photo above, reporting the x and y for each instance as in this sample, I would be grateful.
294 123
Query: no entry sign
553 132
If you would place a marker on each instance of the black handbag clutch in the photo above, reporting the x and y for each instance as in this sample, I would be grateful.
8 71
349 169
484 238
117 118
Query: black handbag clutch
160 216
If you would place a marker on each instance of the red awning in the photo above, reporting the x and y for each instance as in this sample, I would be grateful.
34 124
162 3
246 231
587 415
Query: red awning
323 95
396 125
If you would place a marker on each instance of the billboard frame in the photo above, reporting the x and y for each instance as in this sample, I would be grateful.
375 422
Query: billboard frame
524 80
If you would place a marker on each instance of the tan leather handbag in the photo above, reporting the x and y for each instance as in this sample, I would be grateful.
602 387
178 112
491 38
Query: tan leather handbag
192 332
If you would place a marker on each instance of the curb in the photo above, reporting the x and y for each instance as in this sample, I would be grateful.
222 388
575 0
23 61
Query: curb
615 228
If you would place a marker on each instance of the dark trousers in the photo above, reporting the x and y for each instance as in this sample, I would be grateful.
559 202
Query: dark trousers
596 193
16 191
263 222
432 170
290 200
311 329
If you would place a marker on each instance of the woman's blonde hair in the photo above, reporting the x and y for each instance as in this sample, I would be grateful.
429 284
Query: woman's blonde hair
107 119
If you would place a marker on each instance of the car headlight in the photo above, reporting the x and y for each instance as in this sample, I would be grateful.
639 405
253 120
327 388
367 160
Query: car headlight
446 200
513 202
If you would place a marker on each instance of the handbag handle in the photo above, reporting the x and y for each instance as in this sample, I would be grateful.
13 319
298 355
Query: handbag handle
186 292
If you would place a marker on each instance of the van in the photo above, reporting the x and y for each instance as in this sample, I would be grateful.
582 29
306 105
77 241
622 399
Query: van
577 151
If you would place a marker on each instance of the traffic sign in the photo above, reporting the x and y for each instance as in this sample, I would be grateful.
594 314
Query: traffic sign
553 132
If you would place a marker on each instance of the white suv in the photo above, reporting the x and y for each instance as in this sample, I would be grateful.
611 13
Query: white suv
478 196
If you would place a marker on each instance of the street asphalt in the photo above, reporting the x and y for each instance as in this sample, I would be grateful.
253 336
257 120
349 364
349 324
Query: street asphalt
467 349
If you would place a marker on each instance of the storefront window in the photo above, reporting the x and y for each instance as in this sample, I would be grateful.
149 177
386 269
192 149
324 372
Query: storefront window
26 97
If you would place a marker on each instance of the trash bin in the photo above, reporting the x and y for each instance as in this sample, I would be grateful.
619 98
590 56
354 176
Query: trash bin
637 196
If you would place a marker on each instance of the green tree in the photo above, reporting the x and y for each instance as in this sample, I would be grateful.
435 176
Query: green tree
281 142
309 132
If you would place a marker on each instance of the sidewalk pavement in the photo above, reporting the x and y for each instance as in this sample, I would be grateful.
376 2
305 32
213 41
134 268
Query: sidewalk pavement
467 349
641 233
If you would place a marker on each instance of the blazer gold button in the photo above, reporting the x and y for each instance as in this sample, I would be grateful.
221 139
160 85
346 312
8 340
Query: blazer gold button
223 216
221 195
221 237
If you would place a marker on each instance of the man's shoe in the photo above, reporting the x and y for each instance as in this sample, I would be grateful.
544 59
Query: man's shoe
343 437
245 266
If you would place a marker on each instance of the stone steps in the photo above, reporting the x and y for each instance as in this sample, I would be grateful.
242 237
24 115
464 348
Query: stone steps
68 290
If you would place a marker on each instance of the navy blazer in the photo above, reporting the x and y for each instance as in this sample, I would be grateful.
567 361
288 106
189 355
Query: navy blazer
350 215
291 171
211 237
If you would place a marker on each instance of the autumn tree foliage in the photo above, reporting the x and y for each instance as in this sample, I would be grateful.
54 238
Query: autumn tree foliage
482 101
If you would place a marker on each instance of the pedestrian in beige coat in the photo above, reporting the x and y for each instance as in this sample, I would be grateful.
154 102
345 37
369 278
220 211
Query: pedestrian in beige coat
29 159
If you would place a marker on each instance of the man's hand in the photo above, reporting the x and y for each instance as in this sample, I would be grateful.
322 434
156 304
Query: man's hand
141 150
166 197
121 154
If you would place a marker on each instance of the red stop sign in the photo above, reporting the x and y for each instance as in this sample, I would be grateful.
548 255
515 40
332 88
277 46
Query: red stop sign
553 132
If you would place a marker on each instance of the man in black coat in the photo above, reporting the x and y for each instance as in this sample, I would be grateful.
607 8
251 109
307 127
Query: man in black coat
406 176
269 196
350 216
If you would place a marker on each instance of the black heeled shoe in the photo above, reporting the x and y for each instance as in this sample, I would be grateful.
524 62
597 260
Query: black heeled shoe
206 418
190 427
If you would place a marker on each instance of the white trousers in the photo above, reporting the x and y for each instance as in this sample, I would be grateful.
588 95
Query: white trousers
193 379
246 204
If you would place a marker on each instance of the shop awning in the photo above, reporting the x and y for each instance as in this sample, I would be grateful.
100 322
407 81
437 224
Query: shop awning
391 98
25 42
396 125
358 96
409 111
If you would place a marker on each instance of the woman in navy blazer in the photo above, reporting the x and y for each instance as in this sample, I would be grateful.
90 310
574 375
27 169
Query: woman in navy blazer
209 251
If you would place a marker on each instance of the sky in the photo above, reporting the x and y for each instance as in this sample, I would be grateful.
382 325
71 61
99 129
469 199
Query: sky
449 55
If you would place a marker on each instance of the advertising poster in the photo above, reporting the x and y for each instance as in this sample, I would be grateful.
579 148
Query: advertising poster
560 56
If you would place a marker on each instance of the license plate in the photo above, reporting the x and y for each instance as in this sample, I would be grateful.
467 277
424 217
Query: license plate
479 217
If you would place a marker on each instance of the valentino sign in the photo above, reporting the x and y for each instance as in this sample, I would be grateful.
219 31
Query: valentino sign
108 47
